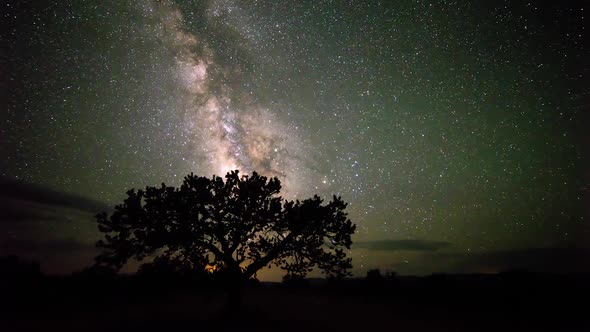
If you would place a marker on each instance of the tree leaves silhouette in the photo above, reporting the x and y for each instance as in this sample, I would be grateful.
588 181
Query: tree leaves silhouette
239 226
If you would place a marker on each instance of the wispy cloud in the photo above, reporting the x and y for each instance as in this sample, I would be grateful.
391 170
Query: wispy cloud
67 245
399 245
554 260
23 192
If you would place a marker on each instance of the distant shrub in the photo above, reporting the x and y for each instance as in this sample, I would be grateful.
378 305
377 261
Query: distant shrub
294 280
15 268
374 275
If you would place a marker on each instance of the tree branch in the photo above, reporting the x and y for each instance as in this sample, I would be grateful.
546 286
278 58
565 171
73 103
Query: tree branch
263 261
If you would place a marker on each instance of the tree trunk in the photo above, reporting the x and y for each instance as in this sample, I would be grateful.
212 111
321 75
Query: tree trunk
235 296
234 289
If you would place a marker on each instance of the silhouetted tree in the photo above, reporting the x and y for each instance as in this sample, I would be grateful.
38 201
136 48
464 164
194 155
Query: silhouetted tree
97 271
238 226
374 275
294 280
164 268
15 268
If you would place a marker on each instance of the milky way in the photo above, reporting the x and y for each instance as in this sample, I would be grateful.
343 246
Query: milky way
226 134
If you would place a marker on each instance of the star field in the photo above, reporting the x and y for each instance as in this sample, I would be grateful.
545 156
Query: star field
453 121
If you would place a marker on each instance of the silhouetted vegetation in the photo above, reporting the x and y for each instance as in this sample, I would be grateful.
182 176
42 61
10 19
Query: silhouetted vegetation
231 228
374 276
14 268
295 281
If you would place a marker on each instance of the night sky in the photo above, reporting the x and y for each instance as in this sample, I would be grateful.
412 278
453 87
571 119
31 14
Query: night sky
457 130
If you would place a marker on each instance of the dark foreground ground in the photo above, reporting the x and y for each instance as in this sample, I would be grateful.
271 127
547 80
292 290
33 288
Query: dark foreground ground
509 302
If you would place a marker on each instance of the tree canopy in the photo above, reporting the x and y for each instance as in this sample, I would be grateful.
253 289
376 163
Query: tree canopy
239 225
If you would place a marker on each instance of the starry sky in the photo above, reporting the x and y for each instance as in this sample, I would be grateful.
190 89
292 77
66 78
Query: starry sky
456 130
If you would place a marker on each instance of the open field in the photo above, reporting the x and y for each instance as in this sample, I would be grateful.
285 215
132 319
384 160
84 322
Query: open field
437 303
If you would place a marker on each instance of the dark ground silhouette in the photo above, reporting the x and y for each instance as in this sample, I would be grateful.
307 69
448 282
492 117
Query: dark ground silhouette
100 301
